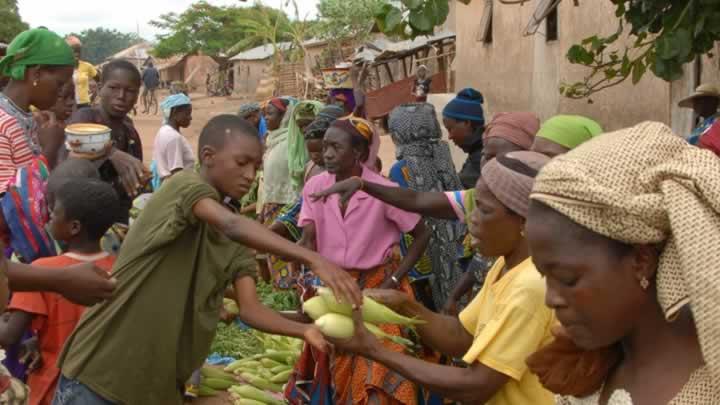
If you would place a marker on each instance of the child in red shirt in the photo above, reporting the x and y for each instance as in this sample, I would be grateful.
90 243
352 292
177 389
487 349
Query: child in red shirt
84 209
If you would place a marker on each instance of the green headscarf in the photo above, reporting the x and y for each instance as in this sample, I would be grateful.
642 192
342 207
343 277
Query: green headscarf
569 130
297 152
35 47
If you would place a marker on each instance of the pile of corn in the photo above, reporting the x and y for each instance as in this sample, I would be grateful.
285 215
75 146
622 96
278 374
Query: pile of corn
213 381
333 317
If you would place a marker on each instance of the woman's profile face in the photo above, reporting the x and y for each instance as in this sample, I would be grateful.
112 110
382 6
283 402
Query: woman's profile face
496 230
593 283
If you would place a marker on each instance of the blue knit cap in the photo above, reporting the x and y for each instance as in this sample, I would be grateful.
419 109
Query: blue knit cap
466 106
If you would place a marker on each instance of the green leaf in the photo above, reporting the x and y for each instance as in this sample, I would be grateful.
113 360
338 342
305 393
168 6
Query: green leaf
579 55
412 4
610 73
626 66
638 71
393 19
683 43
441 10
421 20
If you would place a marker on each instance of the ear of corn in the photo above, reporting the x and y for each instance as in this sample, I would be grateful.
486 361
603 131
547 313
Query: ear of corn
218 383
231 306
247 401
261 383
270 363
382 335
282 377
372 311
205 391
280 368
279 356
315 307
210 372
250 392
336 326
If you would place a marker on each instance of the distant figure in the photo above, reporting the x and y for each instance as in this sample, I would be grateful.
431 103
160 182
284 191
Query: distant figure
421 86
151 81
705 101
84 73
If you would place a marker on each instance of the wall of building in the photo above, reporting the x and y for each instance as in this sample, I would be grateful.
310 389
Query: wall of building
248 74
197 67
523 73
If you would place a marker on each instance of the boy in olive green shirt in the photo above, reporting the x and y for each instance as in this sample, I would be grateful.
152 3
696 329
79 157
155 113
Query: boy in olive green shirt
143 344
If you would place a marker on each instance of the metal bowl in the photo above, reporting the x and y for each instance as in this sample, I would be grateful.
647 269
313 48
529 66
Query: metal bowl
87 138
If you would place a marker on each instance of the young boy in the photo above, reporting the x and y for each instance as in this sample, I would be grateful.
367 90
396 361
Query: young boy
84 209
183 250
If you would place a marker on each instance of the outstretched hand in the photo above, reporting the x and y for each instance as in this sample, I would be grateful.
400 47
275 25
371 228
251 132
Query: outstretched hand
362 342
345 288
316 339
345 189
86 284
393 299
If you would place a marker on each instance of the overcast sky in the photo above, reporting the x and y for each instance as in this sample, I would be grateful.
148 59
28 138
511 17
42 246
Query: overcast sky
65 16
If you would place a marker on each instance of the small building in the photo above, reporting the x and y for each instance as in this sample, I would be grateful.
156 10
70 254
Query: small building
190 69
251 66
515 55
137 54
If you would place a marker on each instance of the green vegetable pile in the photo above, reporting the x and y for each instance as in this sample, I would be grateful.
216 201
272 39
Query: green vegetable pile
277 300
232 341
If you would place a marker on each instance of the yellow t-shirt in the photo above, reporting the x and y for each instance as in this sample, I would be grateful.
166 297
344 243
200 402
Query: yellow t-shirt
509 322
82 76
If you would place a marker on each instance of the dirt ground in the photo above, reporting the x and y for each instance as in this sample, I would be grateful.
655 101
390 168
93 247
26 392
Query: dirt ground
204 108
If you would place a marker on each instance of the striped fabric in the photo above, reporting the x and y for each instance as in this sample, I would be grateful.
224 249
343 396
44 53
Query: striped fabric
15 152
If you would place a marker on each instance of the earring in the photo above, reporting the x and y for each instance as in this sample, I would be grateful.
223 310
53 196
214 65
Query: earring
522 233
35 83
644 283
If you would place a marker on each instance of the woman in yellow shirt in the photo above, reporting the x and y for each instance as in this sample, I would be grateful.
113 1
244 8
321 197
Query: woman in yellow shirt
505 323
84 73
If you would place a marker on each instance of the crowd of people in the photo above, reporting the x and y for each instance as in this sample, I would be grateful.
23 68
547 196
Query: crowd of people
553 267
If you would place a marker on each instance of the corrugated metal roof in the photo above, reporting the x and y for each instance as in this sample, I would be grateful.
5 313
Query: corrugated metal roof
261 52
140 51
265 51
382 48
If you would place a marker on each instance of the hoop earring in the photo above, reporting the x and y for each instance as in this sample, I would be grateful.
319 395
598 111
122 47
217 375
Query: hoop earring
35 83
644 283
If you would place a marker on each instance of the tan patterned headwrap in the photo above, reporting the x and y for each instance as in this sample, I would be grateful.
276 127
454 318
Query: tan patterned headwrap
645 185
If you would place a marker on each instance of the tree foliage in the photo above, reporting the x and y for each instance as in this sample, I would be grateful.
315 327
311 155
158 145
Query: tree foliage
341 20
217 30
412 18
11 24
100 43
664 35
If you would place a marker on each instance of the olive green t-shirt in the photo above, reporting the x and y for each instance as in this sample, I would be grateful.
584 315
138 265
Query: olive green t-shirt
139 347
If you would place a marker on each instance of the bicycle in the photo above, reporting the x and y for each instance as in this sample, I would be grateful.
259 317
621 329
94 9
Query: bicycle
150 101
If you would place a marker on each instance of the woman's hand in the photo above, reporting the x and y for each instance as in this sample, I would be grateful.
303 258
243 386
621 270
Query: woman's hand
133 174
345 188
315 338
341 283
394 299
389 283
363 342
451 307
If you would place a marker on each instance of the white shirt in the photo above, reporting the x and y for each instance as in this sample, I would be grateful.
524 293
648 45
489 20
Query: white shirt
172 151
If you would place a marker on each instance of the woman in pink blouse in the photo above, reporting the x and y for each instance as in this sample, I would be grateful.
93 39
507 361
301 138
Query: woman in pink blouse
362 237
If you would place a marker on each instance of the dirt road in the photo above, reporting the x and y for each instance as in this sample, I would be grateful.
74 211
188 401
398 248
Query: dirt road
204 108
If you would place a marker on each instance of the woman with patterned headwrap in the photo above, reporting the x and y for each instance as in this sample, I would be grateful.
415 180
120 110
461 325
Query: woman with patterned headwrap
424 164
504 323
625 230
507 132
361 237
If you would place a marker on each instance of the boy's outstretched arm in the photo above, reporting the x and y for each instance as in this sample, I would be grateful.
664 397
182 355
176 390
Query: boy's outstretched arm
257 315
258 237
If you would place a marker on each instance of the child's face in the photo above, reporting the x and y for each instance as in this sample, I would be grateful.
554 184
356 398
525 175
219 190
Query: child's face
315 150
119 93
231 169
62 228
66 102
